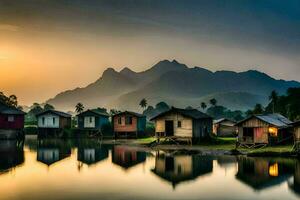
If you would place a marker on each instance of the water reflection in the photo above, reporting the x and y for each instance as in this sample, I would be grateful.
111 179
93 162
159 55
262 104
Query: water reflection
11 155
52 151
127 157
179 167
295 185
92 154
262 173
152 174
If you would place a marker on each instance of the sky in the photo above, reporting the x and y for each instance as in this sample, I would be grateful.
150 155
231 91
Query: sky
48 46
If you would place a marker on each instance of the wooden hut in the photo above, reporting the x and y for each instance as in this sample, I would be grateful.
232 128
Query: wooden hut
52 151
127 157
11 155
179 168
129 124
224 127
261 173
264 129
52 123
92 120
183 123
11 122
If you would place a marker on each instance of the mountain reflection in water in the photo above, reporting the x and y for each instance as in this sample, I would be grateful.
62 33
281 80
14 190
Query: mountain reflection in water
80 169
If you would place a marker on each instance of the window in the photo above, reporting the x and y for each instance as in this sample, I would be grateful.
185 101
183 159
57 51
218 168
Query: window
179 124
91 119
119 120
53 120
128 120
10 118
248 132
43 120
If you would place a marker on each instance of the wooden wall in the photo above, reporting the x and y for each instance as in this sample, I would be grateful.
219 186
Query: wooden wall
186 129
124 127
18 122
297 133
258 124
65 122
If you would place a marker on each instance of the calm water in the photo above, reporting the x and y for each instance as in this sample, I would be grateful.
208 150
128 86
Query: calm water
56 169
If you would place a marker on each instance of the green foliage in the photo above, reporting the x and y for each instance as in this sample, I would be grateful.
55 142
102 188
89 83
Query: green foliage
258 109
287 105
203 105
10 101
30 130
213 102
79 108
150 129
159 107
48 107
143 103
31 115
218 112
114 111
162 106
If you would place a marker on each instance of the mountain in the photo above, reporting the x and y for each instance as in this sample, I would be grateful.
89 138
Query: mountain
176 84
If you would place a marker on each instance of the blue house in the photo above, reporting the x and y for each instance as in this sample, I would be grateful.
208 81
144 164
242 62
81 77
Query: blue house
92 119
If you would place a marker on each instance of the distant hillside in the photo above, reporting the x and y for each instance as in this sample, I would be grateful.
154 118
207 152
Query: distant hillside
175 84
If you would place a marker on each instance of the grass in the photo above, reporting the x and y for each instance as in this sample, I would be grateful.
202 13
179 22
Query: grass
229 143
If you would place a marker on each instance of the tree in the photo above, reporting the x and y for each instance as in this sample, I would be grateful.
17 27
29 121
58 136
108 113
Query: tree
114 111
79 108
12 101
213 102
274 99
162 106
143 103
203 105
258 109
48 107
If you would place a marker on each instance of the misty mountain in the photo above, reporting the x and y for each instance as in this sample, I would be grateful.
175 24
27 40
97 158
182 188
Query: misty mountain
176 84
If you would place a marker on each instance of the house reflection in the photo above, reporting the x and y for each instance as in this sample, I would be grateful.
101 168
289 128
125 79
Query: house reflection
11 155
91 155
295 185
262 173
127 157
52 151
179 168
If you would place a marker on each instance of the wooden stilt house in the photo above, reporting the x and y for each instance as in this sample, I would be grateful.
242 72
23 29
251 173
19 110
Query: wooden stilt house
265 129
183 123
129 124
11 122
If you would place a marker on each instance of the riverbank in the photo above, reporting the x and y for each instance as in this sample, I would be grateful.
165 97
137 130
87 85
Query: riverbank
224 146
220 146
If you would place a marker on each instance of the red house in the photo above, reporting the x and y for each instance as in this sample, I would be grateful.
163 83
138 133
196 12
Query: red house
11 122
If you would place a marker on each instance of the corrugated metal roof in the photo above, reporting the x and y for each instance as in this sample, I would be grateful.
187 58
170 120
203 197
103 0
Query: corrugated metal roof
274 119
192 113
131 113
222 119
8 110
95 111
56 112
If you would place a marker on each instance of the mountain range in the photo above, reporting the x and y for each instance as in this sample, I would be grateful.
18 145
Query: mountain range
176 84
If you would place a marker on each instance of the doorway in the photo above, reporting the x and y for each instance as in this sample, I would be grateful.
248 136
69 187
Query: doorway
169 128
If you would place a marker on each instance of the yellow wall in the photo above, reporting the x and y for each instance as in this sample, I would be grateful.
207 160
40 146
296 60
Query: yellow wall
186 129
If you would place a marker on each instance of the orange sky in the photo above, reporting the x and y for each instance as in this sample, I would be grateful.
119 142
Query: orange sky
51 49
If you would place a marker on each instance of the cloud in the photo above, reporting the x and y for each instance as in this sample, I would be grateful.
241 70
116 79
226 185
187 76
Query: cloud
9 27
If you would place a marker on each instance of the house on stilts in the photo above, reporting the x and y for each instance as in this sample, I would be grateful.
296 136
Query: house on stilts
268 129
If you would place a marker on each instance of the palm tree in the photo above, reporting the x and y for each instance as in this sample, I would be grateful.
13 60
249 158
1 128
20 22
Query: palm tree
79 108
213 102
12 100
143 103
203 105
273 98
